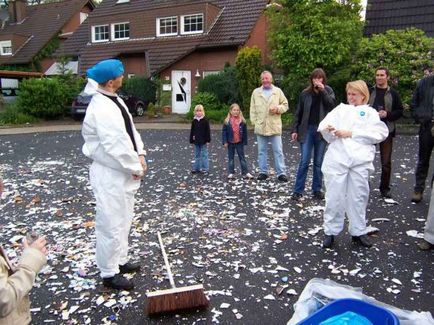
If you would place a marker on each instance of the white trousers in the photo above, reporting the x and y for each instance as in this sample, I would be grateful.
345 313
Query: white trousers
347 191
428 234
114 193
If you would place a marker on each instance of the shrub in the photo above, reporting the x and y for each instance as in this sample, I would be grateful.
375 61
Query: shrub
44 98
217 116
209 102
140 87
14 115
249 68
406 53
223 85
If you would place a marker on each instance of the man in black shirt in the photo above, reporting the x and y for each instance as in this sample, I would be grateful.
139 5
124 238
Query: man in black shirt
388 104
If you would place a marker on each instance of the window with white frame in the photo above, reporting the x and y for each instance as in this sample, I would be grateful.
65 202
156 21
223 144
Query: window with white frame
100 33
120 31
210 72
5 48
167 26
192 24
123 1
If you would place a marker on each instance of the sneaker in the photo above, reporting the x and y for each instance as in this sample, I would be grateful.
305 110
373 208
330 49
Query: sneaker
129 268
318 195
386 194
417 197
195 172
118 282
230 176
204 172
282 178
248 176
362 240
328 241
262 177
425 245
296 196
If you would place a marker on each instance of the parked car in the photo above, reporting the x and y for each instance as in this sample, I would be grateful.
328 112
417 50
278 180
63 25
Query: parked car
136 106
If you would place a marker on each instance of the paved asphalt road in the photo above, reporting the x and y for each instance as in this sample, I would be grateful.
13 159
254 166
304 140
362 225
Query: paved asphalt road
227 235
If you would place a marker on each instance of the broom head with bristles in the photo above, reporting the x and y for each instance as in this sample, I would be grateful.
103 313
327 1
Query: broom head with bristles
176 299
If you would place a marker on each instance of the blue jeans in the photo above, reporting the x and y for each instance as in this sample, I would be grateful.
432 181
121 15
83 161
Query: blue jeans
313 140
201 157
276 144
239 147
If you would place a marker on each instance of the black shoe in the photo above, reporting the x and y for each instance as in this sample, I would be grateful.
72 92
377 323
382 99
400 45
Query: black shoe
195 172
262 177
296 196
282 178
328 241
118 282
318 195
129 268
386 194
204 172
362 240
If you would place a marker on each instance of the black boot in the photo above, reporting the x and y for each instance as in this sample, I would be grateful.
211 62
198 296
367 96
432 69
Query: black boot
118 282
129 268
328 241
362 240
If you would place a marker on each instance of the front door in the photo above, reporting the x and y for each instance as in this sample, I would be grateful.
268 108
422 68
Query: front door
181 91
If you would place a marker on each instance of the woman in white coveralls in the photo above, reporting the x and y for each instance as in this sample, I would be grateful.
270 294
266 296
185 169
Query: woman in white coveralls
115 146
352 131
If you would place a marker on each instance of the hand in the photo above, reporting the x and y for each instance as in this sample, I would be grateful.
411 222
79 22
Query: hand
330 128
343 133
318 85
143 163
138 177
38 244
294 136
225 145
274 110
382 113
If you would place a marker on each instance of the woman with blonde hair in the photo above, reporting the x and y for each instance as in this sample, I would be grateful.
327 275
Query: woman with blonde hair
352 130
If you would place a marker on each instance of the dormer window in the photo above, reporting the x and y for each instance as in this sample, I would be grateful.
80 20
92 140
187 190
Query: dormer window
5 48
121 31
192 24
167 26
100 33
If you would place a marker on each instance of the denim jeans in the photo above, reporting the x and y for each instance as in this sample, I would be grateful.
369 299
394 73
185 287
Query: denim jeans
239 148
276 144
313 141
201 157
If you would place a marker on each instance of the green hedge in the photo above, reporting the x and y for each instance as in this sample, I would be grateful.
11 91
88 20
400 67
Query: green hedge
12 114
140 87
223 85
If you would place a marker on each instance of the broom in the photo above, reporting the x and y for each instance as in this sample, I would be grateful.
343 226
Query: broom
175 299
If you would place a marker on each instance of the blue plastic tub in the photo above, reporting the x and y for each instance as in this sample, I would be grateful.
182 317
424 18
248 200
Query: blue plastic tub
375 314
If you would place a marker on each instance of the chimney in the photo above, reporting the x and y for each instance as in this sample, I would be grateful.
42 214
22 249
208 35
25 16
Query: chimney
17 11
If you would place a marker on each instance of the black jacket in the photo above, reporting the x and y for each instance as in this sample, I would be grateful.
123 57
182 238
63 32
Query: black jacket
394 112
200 132
327 103
422 101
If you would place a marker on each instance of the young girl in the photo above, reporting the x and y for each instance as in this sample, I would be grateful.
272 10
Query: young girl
200 136
234 137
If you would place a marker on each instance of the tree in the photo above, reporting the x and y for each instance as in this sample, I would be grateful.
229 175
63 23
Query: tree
305 34
407 54
249 68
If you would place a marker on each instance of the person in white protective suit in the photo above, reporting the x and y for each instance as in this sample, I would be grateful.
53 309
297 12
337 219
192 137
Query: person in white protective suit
115 146
352 131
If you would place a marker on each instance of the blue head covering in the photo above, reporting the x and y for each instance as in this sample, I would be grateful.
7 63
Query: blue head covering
106 70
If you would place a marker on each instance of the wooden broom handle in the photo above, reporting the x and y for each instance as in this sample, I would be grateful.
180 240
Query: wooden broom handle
166 261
